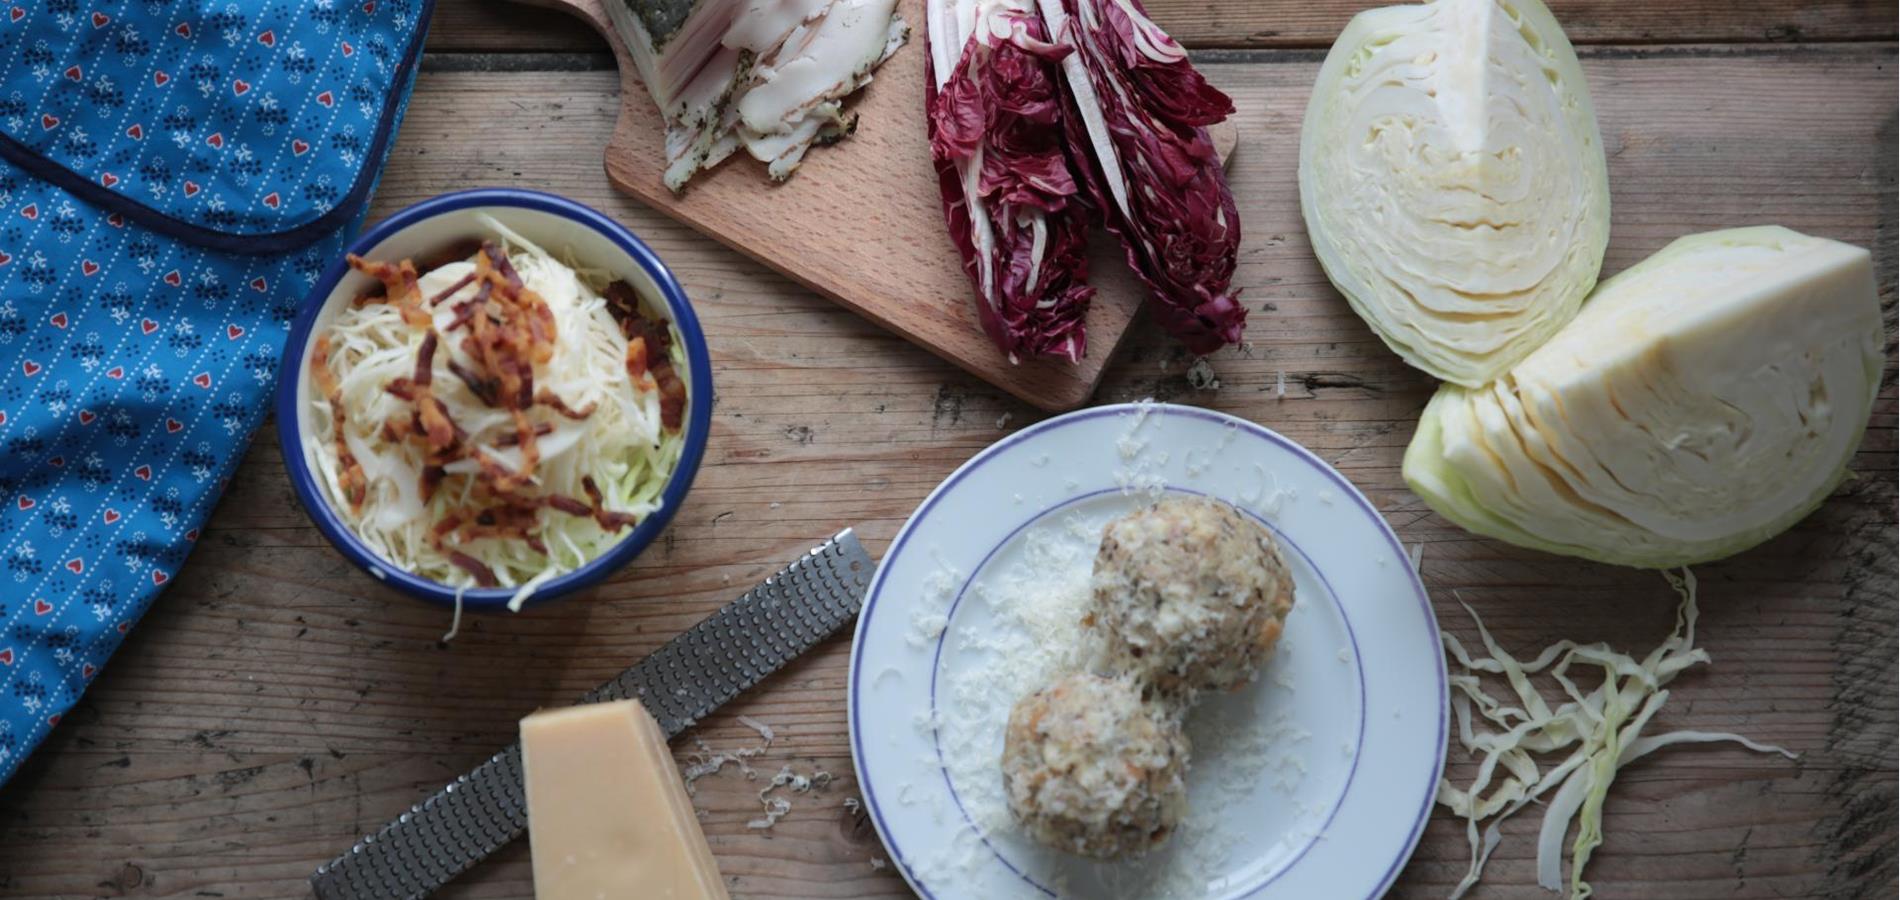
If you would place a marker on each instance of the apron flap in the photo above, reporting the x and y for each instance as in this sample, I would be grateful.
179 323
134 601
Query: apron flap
249 128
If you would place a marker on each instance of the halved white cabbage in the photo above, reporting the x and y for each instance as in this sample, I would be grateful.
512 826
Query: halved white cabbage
1453 183
1703 401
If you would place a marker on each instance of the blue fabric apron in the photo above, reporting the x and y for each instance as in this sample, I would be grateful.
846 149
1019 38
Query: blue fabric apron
173 177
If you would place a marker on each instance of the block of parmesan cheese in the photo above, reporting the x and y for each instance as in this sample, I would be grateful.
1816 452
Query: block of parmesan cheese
608 817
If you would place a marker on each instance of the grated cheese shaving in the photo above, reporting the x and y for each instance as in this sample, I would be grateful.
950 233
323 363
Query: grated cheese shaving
931 615
707 761
1139 472
1268 496
1201 376
777 807
765 731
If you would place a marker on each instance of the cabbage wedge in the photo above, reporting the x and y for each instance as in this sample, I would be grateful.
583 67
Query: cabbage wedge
1453 183
1702 402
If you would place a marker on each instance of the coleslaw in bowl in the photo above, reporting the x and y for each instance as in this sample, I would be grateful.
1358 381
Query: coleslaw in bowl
498 396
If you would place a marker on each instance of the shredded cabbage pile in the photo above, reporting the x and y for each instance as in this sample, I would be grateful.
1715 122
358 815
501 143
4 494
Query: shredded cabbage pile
1603 731
622 444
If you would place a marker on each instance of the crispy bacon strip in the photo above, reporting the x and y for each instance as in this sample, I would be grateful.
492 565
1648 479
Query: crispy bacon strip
501 479
569 505
399 428
509 440
399 287
448 523
550 400
484 575
648 346
482 388
425 360
672 397
508 522
350 478
530 449
432 417
541 326
637 359
623 302
464 311
608 519
502 265
449 291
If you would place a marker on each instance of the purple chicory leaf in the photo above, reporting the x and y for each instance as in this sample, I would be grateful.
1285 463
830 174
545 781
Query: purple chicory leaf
1142 109
1016 210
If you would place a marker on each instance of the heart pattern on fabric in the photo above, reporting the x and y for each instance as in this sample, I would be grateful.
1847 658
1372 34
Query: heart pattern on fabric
141 321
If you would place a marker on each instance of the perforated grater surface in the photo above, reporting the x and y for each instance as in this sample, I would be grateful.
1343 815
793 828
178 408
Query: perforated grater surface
688 677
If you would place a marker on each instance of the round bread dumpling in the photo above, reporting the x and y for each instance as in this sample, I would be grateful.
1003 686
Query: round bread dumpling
1091 768
1189 595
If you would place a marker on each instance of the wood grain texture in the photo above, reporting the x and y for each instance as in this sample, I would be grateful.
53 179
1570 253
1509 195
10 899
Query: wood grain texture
861 222
277 703
497 26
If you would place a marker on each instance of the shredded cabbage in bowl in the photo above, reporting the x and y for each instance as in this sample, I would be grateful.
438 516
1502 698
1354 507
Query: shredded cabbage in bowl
621 444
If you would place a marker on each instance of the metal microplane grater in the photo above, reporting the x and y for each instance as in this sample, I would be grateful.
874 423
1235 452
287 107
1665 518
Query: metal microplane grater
688 677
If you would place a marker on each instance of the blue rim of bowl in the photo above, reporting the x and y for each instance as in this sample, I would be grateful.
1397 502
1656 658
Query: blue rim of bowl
698 411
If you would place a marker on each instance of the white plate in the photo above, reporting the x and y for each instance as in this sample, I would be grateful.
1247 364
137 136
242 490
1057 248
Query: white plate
1315 781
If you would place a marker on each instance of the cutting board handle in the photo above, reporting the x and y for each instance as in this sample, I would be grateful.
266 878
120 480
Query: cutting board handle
589 10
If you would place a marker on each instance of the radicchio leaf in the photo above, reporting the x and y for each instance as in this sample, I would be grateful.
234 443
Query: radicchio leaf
1011 195
1143 110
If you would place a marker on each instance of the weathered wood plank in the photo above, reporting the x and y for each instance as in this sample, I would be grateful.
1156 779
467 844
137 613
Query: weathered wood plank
501 26
277 703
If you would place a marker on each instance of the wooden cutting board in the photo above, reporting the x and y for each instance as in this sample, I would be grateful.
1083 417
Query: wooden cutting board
862 223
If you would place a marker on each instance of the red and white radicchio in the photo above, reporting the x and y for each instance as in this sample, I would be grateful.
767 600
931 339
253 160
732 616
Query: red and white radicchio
1012 196
1143 111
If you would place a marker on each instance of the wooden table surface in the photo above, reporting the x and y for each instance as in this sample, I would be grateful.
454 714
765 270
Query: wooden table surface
276 703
